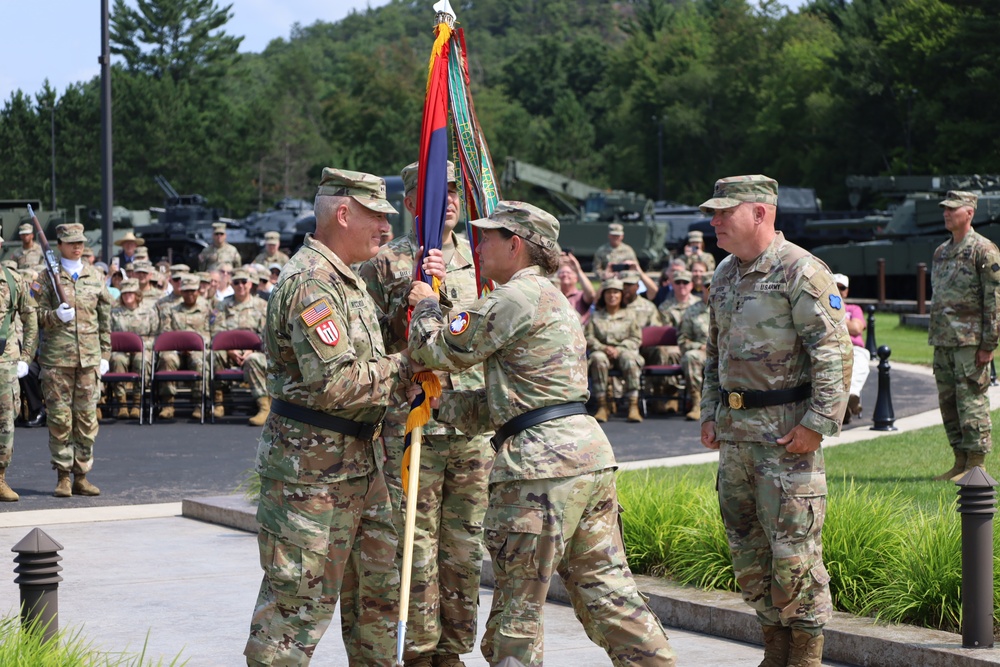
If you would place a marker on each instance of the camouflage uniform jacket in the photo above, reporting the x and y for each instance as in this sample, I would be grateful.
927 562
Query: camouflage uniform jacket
22 337
29 259
211 257
776 323
325 352
152 294
86 339
535 353
251 314
201 318
387 277
618 330
672 311
644 312
141 321
266 260
964 278
606 256
693 332
705 258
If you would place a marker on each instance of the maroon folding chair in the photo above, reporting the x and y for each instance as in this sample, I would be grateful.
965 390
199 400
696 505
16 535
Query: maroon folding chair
655 336
176 341
237 339
130 343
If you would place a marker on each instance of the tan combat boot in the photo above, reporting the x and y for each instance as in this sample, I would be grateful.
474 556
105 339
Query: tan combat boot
134 411
218 410
264 409
804 650
694 414
81 487
602 409
7 494
957 469
198 401
167 411
122 413
776 644
63 488
634 415
972 459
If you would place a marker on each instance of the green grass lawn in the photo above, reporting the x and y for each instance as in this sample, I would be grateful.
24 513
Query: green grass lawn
908 344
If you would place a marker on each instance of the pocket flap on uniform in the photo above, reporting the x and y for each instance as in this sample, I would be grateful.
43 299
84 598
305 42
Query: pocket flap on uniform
804 484
292 528
514 519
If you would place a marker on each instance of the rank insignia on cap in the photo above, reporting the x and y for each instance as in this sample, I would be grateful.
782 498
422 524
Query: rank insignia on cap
835 301
328 333
320 310
459 323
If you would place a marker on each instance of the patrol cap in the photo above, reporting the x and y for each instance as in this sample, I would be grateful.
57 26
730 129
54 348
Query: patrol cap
630 278
71 232
218 227
735 190
526 220
189 282
409 175
366 189
10 264
142 266
694 236
612 283
26 228
87 250
102 266
179 268
130 236
841 279
272 237
274 266
241 274
142 252
959 198
682 275
204 277
616 229
129 285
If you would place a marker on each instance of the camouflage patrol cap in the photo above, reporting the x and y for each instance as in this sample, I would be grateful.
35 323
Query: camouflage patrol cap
241 274
366 189
142 266
26 228
612 283
218 227
272 237
204 277
142 253
694 236
10 264
129 285
179 268
70 232
87 250
616 228
526 220
959 198
630 278
735 190
189 282
682 275
409 175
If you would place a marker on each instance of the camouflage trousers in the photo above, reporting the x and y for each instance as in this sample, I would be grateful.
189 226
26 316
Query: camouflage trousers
663 355
693 365
536 528
129 362
447 540
10 405
628 362
254 370
773 505
965 407
71 395
320 543
172 361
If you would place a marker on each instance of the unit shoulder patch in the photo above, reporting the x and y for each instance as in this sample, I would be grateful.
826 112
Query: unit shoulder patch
459 323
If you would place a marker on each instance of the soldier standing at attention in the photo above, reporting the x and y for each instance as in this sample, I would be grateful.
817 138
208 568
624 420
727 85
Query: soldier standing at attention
75 352
615 251
271 254
30 254
219 252
553 505
454 469
325 519
243 311
963 330
777 372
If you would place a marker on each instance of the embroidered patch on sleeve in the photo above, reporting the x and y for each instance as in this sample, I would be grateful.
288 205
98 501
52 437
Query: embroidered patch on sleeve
316 312
328 333
835 301
459 324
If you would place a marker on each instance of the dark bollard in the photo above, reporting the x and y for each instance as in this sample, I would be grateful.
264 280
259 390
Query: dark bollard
977 505
870 340
37 570
883 417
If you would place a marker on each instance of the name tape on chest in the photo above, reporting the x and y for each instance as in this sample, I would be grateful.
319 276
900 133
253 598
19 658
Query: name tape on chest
356 303
769 287
317 312
459 324
404 273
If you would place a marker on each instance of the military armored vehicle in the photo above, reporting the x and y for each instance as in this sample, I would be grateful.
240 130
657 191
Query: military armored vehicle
908 232
282 219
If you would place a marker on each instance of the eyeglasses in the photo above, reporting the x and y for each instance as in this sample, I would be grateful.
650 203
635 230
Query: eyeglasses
240 281
842 289
218 233
682 282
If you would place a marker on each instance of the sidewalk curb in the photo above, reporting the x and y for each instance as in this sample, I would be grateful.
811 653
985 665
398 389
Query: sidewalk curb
851 639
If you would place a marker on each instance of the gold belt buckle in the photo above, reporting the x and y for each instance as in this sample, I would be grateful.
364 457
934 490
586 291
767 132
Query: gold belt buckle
735 400
378 431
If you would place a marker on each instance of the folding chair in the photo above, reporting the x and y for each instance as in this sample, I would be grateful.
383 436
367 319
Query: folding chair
176 341
130 343
651 337
236 339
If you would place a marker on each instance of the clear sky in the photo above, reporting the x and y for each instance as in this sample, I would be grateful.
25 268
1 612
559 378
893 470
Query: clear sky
61 39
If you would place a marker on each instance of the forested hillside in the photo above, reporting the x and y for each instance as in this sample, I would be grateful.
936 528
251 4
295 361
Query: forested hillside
577 86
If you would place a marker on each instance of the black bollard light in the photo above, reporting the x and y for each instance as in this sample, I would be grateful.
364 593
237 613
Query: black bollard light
883 417
977 505
37 574
870 339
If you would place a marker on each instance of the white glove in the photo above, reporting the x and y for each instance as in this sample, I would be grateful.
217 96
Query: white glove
104 367
65 313
22 369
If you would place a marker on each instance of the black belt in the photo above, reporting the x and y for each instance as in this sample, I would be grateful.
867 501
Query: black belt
360 430
533 418
742 399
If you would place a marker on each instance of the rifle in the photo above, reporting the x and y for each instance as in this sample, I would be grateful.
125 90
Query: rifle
51 263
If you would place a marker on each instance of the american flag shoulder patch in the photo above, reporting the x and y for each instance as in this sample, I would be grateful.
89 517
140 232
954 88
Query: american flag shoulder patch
317 312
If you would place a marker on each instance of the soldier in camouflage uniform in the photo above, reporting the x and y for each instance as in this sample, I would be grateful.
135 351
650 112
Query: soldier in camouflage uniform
964 325
192 313
325 519
19 333
243 311
641 309
30 255
143 271
553 505
613 336
133 317
615 251
171 299
75 352
777 373
696 243
692 339
219 252
671 313
454 469
271 254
